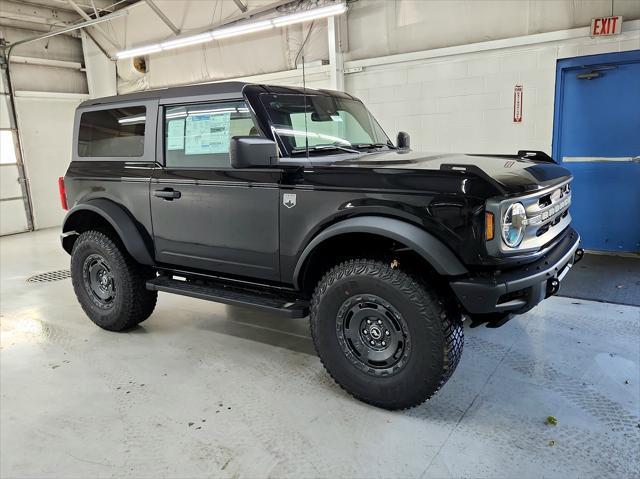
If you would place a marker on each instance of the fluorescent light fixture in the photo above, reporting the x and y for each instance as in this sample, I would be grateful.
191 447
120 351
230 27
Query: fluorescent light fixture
241 29
181 114
186 41
310 134
210 111
238 29
131 119
134 52
309 15
218 111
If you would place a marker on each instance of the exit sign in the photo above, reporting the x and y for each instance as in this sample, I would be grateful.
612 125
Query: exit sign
601 27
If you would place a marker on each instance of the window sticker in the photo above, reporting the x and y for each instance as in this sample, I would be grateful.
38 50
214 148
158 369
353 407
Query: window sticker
175 135
206 134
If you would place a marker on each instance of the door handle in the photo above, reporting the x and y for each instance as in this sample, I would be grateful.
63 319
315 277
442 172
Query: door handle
168 194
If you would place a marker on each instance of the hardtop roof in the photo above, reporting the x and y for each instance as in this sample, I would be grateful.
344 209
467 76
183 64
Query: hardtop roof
232 88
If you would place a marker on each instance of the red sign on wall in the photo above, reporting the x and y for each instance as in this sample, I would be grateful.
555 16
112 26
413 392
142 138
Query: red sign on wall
606 26
517 104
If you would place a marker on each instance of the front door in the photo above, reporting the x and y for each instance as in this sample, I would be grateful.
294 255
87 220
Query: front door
207 215
597 137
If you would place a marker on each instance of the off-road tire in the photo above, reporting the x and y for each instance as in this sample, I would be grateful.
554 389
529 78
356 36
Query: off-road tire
132 302
435 333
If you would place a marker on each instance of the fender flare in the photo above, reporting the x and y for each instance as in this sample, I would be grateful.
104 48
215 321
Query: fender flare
434 251
119 219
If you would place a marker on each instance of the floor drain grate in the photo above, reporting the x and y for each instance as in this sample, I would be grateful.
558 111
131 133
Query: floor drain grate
50 276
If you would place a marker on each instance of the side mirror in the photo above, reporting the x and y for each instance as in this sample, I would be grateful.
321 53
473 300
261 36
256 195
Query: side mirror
253 152
404 140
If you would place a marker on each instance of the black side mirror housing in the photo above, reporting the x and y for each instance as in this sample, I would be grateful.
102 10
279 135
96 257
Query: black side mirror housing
253 152
404 140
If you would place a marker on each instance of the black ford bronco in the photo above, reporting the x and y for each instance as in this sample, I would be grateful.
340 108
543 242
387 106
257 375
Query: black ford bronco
296 202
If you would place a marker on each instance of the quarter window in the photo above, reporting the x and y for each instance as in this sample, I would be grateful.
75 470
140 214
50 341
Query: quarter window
117 132
198 136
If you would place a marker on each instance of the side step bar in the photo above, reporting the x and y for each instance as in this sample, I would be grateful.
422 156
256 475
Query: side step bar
290 307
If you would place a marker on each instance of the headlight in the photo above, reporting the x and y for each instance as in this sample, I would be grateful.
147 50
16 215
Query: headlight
514 223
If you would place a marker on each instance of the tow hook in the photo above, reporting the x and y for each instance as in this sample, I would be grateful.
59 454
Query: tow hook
578 256
553 285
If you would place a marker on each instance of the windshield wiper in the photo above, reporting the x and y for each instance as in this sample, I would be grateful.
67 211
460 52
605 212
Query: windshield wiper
371 145
297 151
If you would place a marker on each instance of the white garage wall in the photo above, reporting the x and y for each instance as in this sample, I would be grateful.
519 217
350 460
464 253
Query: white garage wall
374 28
386 27
47 130
464 102
101 72
316 76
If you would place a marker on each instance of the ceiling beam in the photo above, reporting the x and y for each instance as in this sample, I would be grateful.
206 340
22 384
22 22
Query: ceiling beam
241 6
163 17
53 33
36 14
84 15
30 27
63 6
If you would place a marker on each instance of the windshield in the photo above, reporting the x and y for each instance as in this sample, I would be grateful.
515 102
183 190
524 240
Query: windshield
326 121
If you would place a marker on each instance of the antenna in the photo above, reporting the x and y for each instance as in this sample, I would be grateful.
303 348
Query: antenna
304 89
304 98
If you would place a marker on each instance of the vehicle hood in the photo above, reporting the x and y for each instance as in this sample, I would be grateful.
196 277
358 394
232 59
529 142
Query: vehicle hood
511 174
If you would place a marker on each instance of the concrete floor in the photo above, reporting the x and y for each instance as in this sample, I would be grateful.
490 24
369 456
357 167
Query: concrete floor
204 390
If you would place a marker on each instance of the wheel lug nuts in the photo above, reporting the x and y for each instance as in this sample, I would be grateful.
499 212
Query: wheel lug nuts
364 331
372 343
383 343
368 321
379 321
387 333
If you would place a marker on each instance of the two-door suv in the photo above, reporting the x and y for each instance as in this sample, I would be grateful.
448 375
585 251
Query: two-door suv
296 202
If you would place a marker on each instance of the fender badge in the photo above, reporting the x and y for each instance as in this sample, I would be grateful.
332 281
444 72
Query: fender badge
289 200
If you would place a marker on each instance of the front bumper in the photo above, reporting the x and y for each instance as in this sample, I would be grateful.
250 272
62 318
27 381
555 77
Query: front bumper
517 291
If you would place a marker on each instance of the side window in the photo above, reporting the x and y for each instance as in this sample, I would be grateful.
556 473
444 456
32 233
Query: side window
115 132
198 136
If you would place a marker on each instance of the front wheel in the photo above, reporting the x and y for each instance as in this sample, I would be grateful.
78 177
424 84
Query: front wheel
109 284
383 336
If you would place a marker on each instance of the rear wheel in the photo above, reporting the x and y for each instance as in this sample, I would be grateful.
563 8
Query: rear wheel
109 284
382 335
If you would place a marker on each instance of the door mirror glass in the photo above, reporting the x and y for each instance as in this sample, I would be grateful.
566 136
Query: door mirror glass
404 140
253 152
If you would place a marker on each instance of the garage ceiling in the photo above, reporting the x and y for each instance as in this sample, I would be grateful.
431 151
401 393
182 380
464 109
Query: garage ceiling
44 15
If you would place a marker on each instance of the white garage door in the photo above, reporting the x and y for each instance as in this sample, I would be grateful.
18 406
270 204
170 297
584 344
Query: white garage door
46 127
13 217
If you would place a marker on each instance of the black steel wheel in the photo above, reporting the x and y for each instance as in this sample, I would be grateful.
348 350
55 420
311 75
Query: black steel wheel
373 335
98 281
384 336
109 284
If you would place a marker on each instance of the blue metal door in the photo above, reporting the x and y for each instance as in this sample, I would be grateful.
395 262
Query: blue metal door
597 136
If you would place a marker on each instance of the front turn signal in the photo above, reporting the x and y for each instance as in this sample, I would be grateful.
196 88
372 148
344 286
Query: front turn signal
488 226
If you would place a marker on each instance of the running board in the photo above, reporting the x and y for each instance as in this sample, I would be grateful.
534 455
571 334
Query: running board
290 307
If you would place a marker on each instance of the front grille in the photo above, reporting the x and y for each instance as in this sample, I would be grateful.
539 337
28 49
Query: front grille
547 216
544 214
